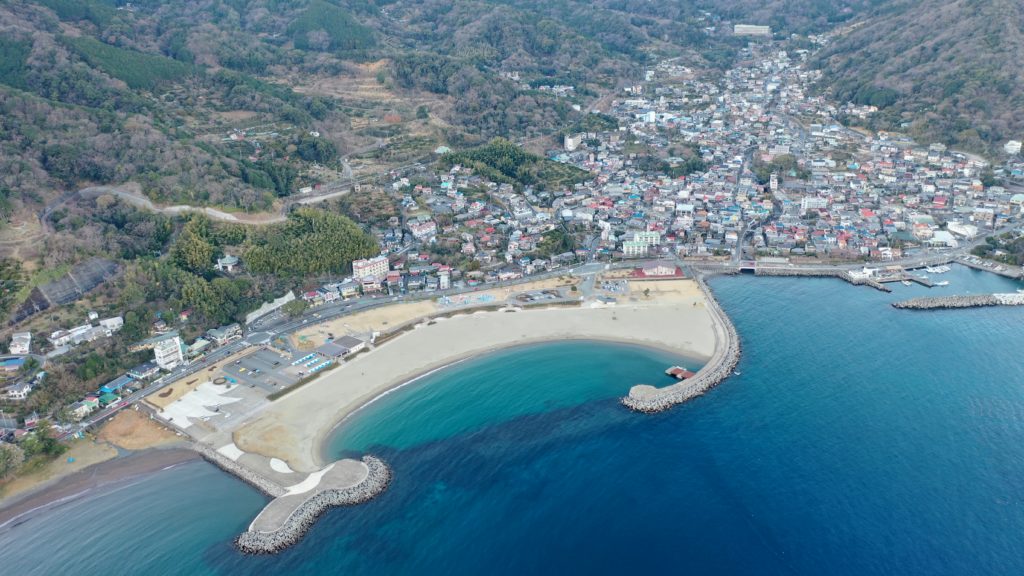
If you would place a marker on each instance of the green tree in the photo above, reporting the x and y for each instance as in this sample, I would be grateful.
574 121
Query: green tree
295 308
11 458
43 442
192 252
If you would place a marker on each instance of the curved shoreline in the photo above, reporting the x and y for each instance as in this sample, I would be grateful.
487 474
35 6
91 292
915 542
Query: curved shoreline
648 399
323 441
326 442
298 426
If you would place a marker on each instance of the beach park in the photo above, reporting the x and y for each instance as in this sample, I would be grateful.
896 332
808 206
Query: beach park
276 442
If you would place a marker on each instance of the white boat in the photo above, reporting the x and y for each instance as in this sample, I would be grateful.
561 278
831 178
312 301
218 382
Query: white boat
943 283
907 282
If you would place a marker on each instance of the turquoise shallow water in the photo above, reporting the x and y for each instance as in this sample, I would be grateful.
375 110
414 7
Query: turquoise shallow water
858 439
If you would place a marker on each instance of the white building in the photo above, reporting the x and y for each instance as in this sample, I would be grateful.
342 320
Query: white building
21 343
751 30
113 324
572 142
812 203
648 238
169 353
1012 147
634 249
422 231
376 268
18 391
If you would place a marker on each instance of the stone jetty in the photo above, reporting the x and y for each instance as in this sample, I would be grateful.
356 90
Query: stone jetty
648 399
269 534
967 301
823 273
248 476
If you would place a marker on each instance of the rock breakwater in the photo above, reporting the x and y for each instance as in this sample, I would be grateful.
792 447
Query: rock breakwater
649 399
306 513
967 301
231 467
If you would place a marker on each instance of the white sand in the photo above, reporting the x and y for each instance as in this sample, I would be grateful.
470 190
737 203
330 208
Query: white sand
294 427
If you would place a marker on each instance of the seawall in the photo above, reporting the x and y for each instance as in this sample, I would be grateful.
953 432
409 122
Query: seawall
819 273
968 301
648 399
305 514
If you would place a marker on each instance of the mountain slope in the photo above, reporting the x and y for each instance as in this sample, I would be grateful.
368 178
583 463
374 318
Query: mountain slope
950 71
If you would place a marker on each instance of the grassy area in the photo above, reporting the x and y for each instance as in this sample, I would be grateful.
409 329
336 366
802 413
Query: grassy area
42 276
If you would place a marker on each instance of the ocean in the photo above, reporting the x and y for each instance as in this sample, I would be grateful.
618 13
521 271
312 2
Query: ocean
858 439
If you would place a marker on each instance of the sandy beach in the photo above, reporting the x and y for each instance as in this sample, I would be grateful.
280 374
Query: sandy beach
294 428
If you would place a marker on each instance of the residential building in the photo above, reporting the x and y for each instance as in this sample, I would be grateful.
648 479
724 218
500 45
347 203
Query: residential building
21 343
169 353
375 268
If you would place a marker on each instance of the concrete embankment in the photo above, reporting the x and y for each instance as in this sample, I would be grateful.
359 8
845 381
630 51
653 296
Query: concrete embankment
967 301
648 399
231 467
819 273
255 541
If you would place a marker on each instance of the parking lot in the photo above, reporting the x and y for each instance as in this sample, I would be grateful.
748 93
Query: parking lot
264 368
539 296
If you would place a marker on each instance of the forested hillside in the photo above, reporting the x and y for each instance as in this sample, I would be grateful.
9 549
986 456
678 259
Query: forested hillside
947 71
103 92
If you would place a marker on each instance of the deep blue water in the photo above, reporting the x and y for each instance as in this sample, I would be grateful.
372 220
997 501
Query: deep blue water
859 439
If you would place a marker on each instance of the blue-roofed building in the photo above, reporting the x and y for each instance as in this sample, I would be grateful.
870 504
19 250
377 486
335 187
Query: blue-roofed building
116 384
12 364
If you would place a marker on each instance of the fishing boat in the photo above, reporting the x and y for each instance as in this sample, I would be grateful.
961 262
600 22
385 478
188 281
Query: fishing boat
943 283
906 282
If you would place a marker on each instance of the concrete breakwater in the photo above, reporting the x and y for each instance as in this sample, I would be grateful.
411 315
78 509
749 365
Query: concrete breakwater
967 301
255 541
820 273
648 399
231 467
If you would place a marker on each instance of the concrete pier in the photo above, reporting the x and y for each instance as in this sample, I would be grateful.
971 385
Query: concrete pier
968 301
648 399
843 275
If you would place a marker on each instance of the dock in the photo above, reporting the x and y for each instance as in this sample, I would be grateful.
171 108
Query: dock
679 373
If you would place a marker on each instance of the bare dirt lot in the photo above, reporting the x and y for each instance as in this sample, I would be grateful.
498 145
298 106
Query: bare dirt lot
134 430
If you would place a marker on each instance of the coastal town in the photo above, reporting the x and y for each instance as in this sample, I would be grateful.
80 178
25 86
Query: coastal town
685 176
